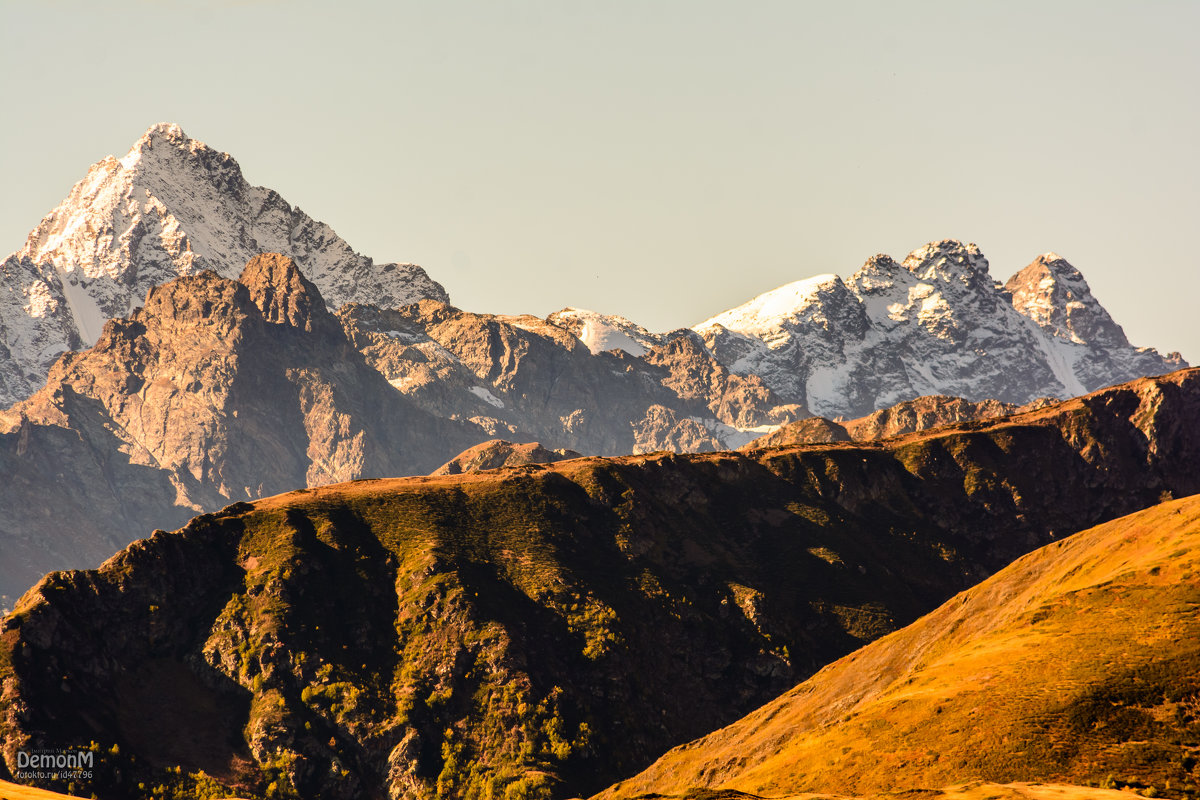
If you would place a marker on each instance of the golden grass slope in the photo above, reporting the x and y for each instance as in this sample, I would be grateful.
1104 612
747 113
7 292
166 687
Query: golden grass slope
12 791
1079 663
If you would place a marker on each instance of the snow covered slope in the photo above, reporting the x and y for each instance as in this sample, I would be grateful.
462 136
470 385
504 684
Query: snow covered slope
603 332
936 324
171 206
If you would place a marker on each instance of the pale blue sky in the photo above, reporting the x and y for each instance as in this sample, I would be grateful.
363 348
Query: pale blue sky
664 161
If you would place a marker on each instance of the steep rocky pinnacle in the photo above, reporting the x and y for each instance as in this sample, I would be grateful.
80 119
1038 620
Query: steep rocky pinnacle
171 206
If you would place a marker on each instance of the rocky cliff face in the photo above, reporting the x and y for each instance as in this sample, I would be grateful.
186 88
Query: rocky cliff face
935 324
216 390
545 630
171 206
523 377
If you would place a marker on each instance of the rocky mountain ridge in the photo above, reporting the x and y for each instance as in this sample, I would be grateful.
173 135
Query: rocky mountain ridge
542 631
171 206
936 324
528 378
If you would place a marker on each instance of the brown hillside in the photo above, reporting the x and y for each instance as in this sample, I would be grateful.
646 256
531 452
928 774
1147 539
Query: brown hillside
1078 662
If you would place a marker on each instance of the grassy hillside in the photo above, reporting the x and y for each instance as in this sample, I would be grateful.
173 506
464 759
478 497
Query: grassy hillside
542 631
1079 663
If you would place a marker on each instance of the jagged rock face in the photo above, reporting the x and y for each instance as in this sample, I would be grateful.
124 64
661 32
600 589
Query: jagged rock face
1055 295
911 416
936 324
694 375
216 390
925 413
497 453
662 429
528 378
549 628
171 206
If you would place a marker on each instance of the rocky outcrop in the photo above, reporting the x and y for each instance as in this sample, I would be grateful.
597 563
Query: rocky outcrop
911 416
171 206
937 324
696 377
216 390
546 630
1055 295
497 453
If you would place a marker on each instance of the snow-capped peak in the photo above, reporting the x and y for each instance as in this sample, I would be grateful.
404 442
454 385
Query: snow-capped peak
603 332
169 131
170 206
946 257
1055 295
937 324
770 309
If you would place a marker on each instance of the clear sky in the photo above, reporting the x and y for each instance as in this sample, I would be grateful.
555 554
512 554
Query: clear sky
660 160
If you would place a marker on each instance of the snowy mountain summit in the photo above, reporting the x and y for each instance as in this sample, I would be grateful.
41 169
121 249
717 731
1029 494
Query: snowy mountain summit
935 324
171 206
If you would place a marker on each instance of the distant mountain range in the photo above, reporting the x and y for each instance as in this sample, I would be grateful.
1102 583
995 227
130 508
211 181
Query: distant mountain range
546 630
935 324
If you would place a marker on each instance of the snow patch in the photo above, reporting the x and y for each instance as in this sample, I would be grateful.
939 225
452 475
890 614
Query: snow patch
89 319
601 338
486 396
1061 356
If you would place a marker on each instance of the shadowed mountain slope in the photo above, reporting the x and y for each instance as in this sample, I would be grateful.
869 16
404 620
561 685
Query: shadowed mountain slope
1079 663
546 630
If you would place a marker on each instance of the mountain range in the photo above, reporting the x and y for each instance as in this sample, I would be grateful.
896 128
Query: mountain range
934 324
546 630
824 542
